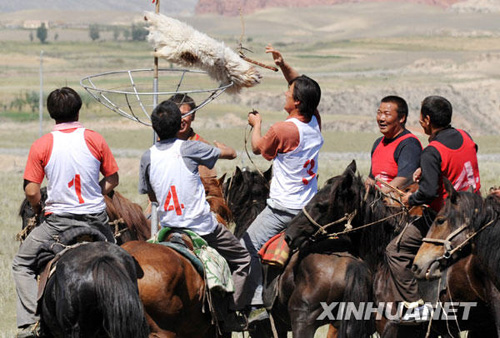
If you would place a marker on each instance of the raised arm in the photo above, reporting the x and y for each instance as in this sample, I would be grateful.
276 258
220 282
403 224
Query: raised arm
286 69
226 152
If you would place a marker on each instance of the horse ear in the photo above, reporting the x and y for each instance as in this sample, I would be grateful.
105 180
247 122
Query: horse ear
268 174
348 175
452 193
222 179
351 167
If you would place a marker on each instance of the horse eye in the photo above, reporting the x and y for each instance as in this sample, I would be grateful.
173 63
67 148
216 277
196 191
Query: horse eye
440 220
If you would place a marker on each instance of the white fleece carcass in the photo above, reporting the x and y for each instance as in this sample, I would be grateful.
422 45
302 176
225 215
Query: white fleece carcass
179 43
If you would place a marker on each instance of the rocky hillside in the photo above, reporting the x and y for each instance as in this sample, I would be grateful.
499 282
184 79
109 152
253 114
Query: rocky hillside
232 7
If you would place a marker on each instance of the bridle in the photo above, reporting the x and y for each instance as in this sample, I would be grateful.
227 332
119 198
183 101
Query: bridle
348 217
446 243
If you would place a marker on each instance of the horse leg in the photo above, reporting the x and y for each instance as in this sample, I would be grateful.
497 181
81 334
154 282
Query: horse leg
156 331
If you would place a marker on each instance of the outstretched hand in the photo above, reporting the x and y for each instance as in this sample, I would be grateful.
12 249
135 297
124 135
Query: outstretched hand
278 58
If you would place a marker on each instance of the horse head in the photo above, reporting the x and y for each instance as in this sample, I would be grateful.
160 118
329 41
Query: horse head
246 192
449 233
330 210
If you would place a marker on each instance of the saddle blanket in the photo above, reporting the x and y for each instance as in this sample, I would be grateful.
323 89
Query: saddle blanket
276 251
205 259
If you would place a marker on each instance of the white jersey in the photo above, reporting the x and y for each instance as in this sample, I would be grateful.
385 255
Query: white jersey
295 179
73 176
180 192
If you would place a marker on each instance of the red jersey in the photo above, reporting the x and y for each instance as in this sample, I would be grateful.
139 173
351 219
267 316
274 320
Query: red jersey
459 166
384 166
71 157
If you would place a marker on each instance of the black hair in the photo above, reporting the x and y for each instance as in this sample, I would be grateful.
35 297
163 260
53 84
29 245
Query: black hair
401 103
181 99
166 120
438 109
64 104
308 92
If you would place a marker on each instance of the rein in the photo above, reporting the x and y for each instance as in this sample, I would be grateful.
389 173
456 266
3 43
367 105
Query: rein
248 154
449 251
116 223
348 227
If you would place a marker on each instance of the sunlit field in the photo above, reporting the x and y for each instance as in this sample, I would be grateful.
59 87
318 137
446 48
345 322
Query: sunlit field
355 64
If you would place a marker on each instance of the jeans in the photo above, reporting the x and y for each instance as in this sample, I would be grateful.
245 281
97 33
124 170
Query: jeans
270 222
24 263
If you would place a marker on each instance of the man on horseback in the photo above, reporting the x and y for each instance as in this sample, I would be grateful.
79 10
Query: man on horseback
169 175
71 157
186 132
451 154
396 155
294 146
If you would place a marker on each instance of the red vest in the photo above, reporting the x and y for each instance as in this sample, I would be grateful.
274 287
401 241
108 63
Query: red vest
459 166
383 165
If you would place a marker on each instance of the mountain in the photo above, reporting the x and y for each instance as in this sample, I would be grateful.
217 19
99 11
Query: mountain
184 7
233 7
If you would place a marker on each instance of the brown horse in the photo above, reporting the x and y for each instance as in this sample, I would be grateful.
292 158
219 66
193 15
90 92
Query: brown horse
314 275
466 237
371 242
172 290
215 198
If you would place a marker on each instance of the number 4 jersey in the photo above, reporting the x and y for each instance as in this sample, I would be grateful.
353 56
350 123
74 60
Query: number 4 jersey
71 157
170 170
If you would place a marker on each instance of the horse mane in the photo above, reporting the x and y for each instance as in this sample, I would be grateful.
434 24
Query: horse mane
372 241
118 206
215 198
246 193
488 241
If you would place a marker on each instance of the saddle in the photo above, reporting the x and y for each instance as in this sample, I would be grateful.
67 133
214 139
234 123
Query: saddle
206 260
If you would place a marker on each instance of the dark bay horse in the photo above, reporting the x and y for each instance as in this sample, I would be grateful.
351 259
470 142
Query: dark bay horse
93 293
313 274
466 233
370 243
246 192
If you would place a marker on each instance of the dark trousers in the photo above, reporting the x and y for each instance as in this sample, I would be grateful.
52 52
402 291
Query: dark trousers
400 253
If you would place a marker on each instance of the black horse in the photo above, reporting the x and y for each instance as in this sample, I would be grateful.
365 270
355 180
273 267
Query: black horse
314 275
466 233
93 293
246 192
378 224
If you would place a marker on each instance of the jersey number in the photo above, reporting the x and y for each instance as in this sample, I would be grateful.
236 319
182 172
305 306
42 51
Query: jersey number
172 196
309 164
78 187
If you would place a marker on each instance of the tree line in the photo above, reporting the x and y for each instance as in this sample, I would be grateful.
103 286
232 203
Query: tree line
136 32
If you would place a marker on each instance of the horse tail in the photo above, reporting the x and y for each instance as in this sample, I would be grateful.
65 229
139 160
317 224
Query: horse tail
118 298
358 294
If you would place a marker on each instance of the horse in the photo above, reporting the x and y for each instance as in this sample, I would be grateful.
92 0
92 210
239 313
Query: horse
377 224
311 276
246 192
215 198
93 293
466 232
172 290
126 218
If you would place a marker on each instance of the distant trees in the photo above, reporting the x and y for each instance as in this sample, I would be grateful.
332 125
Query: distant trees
94 32
41 33
139 32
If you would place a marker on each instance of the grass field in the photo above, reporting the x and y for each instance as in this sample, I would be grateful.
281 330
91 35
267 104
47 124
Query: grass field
352 51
